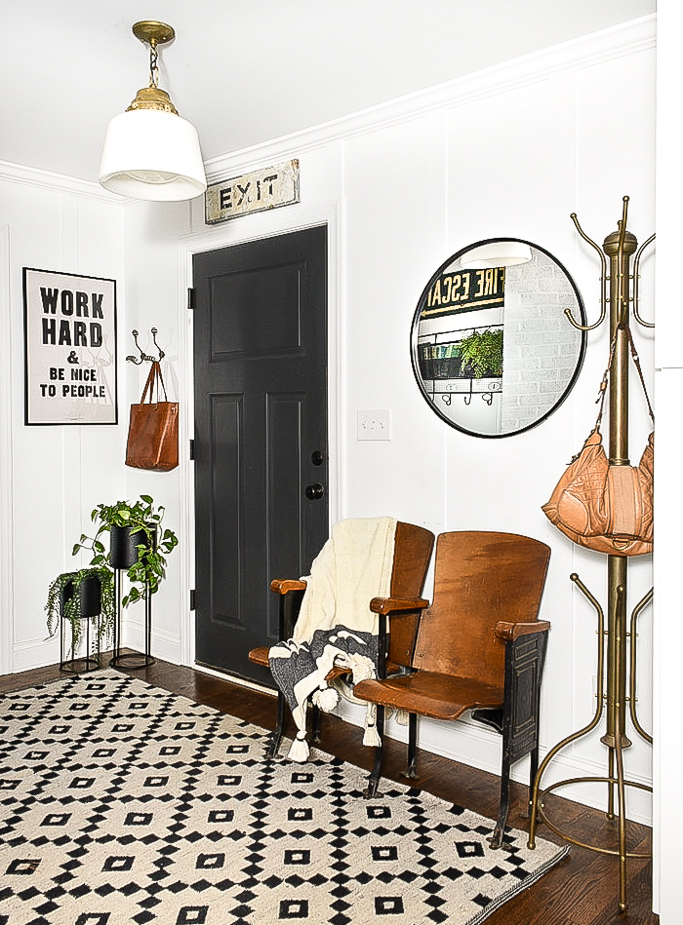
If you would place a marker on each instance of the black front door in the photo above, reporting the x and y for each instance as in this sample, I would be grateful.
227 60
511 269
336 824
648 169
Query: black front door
260 382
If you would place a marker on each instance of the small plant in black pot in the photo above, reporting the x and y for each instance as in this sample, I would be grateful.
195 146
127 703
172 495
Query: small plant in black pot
80 595
138 543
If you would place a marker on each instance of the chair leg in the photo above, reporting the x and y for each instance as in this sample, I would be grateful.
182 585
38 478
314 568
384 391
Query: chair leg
411 770
276 734
317 723
496 839
376 773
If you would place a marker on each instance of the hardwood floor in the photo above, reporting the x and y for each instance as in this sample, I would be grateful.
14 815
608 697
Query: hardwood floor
581 890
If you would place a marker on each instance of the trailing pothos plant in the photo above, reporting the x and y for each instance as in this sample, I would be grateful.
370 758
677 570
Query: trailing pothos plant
141 517
58 595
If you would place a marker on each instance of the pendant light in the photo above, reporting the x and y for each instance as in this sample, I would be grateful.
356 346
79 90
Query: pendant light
149 151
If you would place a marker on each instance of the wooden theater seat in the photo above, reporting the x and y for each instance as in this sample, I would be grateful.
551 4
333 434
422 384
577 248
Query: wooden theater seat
412 553
480 648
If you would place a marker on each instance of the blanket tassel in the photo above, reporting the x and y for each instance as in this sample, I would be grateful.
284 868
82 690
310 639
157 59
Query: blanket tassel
326 699
299 750
371 736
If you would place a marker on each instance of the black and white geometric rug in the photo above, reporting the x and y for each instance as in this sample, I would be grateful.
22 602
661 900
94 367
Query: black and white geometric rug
121 803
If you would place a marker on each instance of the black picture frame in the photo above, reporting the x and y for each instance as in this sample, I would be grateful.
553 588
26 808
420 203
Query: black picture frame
70 348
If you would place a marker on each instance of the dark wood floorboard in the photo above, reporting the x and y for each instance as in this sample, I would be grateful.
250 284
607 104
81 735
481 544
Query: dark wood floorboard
581 890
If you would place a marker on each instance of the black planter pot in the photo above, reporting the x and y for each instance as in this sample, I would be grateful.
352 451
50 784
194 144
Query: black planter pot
123 543
91 597
90 592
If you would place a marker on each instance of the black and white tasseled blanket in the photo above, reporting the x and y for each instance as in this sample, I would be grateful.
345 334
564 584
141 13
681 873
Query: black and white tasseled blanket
335 626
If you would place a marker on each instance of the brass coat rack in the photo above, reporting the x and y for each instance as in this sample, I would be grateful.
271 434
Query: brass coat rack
620 644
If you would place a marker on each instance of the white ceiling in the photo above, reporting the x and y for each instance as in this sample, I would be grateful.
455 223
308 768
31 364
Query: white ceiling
245 71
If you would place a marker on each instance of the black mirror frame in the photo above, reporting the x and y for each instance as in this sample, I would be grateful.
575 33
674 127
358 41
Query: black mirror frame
416 322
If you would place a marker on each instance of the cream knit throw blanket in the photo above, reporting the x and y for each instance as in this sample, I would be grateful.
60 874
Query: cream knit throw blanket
335 624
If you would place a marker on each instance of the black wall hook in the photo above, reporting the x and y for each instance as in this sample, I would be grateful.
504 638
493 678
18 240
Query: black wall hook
143 356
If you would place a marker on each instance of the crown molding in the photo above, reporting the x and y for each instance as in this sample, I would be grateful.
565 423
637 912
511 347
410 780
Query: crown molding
587 51
58 183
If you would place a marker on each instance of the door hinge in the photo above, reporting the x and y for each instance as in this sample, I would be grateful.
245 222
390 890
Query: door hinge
191 299
191 449
193 595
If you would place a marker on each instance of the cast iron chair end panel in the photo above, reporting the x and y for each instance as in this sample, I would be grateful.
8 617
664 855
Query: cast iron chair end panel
518 721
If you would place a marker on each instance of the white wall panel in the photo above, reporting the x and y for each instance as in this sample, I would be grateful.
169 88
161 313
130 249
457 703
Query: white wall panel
58 471
393 226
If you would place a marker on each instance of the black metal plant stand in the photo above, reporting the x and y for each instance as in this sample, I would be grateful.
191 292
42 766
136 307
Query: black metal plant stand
123 554
90 592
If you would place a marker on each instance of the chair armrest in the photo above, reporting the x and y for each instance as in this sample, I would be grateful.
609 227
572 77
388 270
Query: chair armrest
510 631
393 604
284 585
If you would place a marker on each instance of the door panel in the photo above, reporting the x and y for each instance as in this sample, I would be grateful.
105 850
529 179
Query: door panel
260 359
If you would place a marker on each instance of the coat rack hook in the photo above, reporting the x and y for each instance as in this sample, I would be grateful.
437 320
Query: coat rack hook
603 282
154 338
636 284
143 356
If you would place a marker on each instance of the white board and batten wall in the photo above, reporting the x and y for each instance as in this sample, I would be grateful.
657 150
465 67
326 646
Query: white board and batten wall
511 151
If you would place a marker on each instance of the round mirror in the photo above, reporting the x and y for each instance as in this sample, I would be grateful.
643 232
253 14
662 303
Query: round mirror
493 350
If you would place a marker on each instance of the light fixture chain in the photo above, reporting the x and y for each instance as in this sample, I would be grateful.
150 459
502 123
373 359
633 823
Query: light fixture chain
153 67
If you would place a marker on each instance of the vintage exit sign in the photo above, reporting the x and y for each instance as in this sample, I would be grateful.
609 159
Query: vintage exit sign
257 191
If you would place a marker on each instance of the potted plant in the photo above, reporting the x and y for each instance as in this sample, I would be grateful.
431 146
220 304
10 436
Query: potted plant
481 354
138 543
82 594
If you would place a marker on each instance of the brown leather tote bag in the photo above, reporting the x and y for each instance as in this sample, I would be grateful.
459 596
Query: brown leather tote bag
153 430
603 506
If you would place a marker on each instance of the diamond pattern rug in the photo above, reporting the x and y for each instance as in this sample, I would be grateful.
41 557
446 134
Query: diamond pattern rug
122 803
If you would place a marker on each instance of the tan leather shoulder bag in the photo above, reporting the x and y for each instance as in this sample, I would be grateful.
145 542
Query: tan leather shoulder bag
603 506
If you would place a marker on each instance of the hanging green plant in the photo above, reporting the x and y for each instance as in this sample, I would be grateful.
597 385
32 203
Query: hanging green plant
141 518
59 593
482 353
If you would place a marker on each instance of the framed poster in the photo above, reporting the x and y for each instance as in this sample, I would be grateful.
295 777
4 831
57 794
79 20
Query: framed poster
70 348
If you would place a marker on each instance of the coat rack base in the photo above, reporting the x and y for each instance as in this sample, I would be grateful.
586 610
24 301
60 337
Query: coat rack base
601 849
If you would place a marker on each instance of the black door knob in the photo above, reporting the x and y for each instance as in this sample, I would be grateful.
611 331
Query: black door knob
315 491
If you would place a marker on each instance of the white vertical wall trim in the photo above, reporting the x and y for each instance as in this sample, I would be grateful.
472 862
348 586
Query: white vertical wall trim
7 403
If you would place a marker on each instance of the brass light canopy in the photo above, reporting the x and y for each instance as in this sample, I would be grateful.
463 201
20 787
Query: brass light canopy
149 151
153 33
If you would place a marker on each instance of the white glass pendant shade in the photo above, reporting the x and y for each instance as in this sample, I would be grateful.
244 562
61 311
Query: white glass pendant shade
496 254
152 154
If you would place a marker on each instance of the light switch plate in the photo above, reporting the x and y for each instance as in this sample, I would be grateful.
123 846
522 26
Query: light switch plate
374 425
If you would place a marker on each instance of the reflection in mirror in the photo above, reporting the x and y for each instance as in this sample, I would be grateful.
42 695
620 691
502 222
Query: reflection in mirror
492 348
